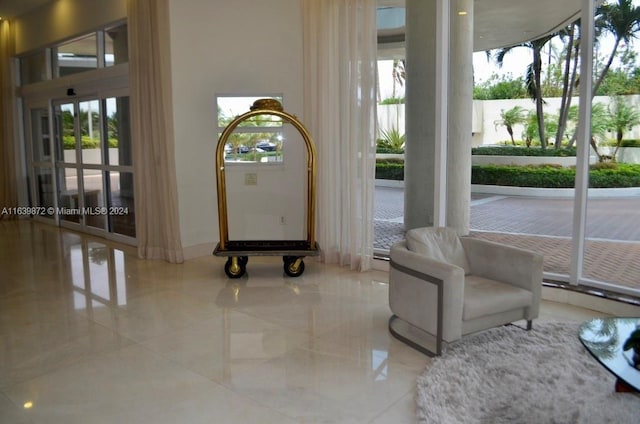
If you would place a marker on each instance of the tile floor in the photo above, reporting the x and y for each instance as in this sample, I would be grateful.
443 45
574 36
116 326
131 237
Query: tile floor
91 334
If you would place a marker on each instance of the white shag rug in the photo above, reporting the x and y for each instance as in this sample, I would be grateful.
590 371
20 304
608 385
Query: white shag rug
508 375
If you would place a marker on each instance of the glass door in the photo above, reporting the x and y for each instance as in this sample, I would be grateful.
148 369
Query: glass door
94 166
80 165
40 162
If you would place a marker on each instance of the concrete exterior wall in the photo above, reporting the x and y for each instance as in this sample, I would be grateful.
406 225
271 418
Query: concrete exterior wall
487 112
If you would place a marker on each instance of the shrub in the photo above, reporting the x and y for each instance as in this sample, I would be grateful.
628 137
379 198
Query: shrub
390 169
522 151
545 176
392 101
630 143
391 140
523 176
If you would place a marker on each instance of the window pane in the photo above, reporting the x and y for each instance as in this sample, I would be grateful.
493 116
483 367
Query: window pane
40 135
258 139
116 50
65 141
93 199
75 56
118 131
90 132
33 68
68 196
44 188
250 147
231 106
120 204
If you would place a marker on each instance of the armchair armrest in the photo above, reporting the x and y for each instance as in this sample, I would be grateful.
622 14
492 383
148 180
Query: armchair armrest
414 283
401 255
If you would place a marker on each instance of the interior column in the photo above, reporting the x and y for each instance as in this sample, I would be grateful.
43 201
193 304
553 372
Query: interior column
420 113
460 116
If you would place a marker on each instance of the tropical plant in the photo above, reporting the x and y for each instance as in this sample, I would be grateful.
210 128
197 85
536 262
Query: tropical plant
509 118
600 124
570 77
622 20
500 87
391 140
532 130
622 117
399 74
533 78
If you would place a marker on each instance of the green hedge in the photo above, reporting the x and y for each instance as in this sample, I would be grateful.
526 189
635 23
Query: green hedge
545 176
604 175
69 142
390 169
522 151
630 143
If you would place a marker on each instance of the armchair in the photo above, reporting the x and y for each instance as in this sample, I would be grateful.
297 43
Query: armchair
445 286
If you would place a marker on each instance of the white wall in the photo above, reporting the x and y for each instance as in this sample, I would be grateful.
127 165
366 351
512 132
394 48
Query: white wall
240 47
489 133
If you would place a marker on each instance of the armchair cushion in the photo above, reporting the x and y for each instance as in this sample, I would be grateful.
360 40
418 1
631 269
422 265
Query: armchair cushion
440 244
483 296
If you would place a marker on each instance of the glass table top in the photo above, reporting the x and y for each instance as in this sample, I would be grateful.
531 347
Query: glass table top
605 338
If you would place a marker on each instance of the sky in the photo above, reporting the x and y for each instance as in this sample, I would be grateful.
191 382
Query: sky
516 62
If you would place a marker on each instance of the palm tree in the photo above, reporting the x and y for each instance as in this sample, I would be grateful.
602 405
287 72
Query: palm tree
533 78
622 20
509 118
600 124
572 53
399 74
622 117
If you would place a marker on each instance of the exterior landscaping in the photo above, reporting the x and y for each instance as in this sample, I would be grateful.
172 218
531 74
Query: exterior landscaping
601 174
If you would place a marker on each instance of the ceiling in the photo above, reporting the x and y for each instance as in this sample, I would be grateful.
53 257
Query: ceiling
497 23
502 23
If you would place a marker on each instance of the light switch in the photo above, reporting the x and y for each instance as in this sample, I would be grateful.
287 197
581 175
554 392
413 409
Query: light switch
251 178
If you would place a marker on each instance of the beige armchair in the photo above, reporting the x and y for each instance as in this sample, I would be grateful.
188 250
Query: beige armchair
443 287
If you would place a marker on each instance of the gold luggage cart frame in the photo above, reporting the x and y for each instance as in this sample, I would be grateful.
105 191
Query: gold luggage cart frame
292 251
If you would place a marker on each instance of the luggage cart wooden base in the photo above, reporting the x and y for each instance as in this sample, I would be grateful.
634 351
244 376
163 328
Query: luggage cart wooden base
292 252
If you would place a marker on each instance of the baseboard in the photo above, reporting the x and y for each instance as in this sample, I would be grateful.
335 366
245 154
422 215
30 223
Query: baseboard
590 301
198 251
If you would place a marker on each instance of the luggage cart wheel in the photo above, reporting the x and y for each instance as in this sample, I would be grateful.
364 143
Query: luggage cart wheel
293 265
235 267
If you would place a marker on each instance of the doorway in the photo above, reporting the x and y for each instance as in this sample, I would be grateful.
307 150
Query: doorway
81 167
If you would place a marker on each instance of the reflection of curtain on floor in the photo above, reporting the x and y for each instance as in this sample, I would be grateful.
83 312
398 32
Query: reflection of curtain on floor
155 185
8 182
340 105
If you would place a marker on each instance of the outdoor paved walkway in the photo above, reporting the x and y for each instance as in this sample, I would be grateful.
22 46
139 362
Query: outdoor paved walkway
612 249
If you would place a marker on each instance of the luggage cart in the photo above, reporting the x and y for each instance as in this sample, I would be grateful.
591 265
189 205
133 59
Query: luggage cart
292 251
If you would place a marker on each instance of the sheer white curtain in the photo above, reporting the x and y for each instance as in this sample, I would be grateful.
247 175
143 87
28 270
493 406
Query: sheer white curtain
156 192
340 43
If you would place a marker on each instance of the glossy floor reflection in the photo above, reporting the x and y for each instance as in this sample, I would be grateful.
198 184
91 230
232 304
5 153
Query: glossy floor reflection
91 334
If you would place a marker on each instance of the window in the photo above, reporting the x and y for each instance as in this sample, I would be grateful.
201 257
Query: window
104 48
76 56
258 139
